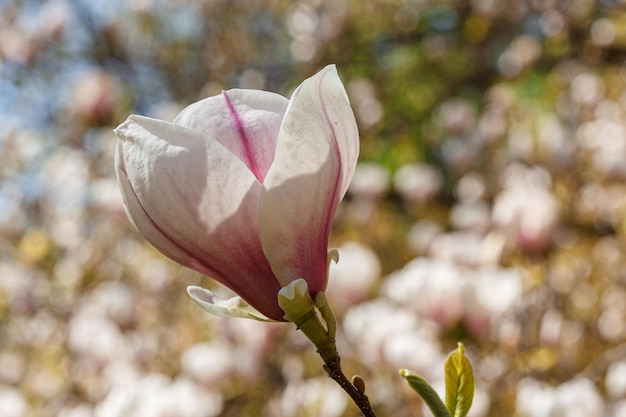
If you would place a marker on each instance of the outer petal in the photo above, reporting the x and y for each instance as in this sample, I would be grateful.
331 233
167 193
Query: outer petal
245 121
233 307
198 204
316 155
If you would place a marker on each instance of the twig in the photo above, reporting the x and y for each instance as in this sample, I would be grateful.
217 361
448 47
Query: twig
333 367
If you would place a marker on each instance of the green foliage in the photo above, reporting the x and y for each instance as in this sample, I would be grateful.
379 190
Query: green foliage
459 386
459 383
427 393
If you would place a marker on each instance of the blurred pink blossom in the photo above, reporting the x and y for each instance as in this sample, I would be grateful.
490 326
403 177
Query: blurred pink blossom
155 395
354 278
418 183
447 294
526 209
574 398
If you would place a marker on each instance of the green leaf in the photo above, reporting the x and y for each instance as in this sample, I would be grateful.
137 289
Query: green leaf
427 393
459 383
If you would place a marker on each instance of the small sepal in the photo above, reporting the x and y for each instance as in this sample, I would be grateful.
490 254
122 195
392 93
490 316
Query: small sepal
327 314
314 318
333 255
294 299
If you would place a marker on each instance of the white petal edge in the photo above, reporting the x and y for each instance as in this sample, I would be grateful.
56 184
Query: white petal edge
234 307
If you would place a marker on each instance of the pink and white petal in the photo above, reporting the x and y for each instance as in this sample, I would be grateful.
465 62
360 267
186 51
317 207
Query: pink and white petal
315 159
244 121
197 203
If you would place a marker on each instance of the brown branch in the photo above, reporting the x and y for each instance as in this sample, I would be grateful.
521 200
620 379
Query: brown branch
333 367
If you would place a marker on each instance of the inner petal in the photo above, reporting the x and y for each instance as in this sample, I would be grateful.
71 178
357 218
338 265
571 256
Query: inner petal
246 122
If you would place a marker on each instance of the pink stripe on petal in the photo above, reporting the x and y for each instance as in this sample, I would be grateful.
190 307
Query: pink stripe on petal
246 122
248 153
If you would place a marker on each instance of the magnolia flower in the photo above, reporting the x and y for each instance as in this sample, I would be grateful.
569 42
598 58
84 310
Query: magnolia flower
243 187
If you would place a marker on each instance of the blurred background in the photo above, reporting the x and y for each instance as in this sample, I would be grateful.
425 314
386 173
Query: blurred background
488 206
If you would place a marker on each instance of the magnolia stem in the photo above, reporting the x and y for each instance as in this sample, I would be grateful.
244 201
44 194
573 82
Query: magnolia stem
332 366
307 315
